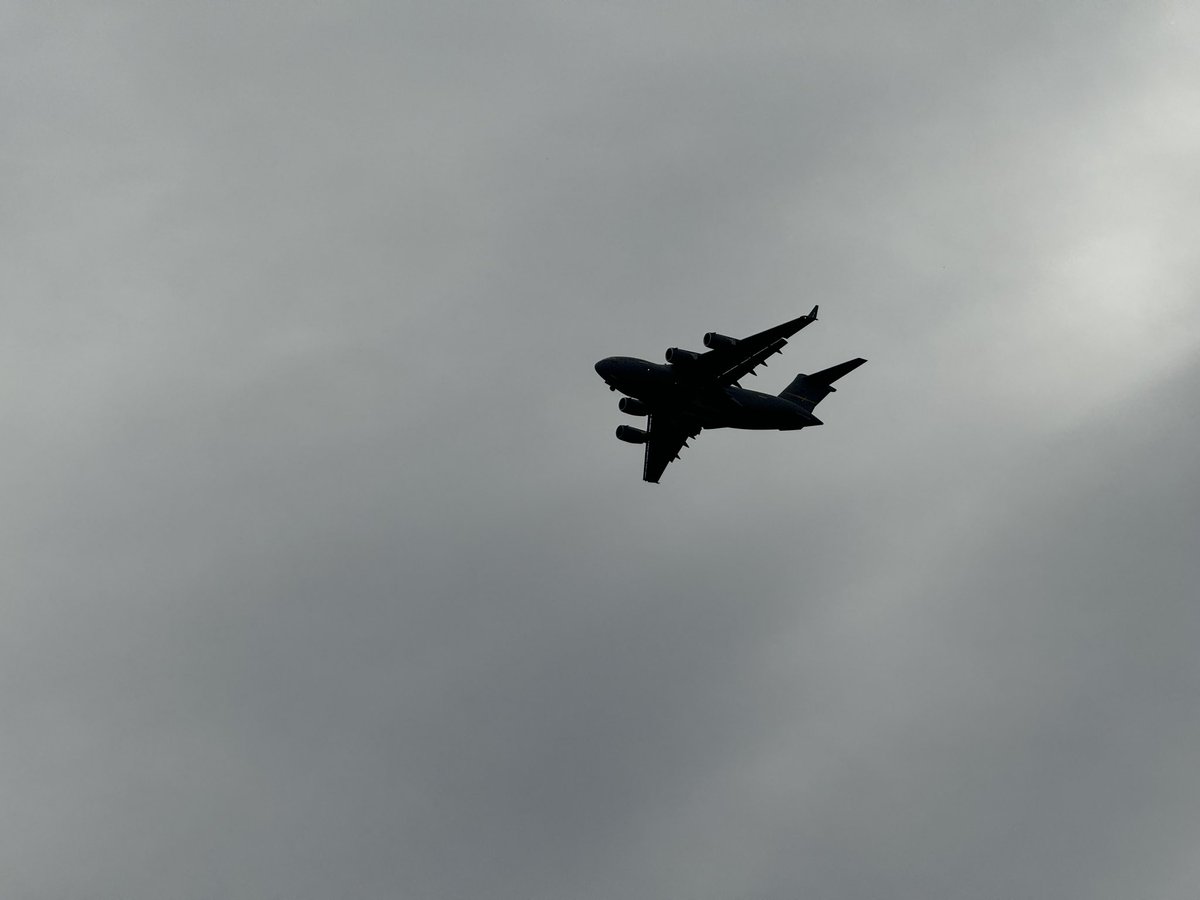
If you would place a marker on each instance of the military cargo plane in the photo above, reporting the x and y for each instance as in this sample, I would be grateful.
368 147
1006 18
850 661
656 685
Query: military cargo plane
694 391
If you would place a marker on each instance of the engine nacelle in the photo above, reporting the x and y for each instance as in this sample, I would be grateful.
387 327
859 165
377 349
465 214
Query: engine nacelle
714 341
675 356
631 435
633 407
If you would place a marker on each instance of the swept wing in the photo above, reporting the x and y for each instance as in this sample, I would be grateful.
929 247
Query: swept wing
729 364
668 436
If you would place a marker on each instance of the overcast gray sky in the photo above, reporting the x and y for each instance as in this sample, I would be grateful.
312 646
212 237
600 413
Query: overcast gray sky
324 576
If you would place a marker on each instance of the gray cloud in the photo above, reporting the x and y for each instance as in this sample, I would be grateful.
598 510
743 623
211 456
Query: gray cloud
326 578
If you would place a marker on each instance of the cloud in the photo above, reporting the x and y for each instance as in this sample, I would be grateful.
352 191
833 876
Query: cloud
328 579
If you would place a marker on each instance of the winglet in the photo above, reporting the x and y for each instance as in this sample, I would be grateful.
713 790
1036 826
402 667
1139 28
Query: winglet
812 316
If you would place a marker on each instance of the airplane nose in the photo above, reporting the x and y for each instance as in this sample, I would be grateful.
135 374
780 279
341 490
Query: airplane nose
607 369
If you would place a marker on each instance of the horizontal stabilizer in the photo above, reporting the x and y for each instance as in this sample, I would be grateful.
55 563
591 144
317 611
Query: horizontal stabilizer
809 390
833 373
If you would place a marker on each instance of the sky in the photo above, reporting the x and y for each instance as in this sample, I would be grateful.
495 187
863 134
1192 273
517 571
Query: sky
324 576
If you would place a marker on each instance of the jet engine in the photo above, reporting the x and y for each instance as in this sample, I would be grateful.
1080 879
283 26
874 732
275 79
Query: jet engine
631 435
714 341
633 407
676 356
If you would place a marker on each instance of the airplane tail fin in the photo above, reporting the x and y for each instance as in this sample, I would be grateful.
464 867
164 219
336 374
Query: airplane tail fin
809 390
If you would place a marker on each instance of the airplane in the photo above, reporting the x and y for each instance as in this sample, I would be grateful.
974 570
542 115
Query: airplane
694 391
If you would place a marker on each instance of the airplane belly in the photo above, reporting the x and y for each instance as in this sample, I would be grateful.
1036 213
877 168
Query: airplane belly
754 411
650 383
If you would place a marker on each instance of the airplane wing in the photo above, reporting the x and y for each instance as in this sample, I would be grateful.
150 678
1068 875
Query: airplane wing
729 364
668 436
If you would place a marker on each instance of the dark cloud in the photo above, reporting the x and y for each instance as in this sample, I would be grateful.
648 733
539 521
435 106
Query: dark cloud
327 578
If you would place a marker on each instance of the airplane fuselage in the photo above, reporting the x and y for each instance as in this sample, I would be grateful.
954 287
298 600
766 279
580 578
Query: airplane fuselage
668 388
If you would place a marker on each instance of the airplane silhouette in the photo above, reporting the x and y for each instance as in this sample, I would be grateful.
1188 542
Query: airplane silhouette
694 391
